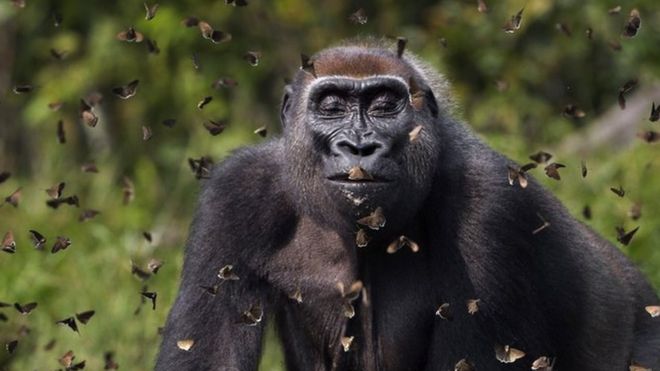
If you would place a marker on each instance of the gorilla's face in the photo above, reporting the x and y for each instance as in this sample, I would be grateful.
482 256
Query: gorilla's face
360 128
354 140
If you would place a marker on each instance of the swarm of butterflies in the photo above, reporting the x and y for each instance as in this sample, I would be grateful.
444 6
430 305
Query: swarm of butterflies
252 316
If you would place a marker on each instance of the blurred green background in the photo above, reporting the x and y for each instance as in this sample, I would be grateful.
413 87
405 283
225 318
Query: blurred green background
512 89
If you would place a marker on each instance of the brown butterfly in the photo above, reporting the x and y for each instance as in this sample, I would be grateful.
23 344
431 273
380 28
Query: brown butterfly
236 2
297 296
152 46
4 175
261 131
444 312
635 211
204 102
375 220
225 82
8 243
519 174
649 136
633 24
169 122
252 316
400 46
22 88
153 265
563 28
514 23
11 346
543 363
618 191
139 272
653 310
307 64
185 344
89 167
586 212
130 36
545 224
70 322
59 55
38 240
473 306
215 127
362 238
583 166
88 214
573 111
213 290
146 133
358 17
61 135
627 87
346 342
201 167
482 7
190 21
353 292
414 133
61 243
151 295
623 236
634 366
507 354
590 33
69 200
214 35
252 57
540 157
128 190
14 198
50 345
85 316
615 10
109 360
552 170
227 273
87 114
56 190
151 11
25 309
126 91
400 243
655 113
357 173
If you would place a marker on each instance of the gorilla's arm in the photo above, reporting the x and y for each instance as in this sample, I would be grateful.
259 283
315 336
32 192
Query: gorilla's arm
240 220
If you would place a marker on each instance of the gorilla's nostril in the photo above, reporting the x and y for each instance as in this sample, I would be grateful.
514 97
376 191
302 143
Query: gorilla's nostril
361 150
347 147
369 149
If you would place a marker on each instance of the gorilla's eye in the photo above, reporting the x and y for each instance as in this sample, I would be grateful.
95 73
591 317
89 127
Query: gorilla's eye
332 105
384 104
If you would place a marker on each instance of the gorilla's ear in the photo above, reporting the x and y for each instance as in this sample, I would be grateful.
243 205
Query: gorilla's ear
431 102
286 105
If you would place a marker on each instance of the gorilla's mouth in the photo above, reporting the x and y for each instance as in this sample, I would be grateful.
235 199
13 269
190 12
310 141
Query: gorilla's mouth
345 179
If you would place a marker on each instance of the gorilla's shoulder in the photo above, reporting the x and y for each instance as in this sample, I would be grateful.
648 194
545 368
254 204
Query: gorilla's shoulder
247 181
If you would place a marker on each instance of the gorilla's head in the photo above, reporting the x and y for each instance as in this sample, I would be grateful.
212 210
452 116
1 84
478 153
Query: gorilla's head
360 127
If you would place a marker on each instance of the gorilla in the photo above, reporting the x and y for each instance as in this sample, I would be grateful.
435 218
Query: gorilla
378 233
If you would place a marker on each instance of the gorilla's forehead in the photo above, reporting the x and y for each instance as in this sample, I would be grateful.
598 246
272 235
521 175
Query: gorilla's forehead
360 62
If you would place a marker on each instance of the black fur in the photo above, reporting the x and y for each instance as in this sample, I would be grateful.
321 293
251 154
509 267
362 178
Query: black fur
563 292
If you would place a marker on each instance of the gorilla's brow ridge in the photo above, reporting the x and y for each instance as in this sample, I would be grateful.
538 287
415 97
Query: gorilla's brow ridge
319 80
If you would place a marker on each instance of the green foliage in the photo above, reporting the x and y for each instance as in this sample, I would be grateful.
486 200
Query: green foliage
543 68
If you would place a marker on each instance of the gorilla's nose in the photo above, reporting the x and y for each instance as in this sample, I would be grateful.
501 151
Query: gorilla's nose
355 151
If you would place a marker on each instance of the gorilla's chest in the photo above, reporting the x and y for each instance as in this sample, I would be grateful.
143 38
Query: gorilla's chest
393 319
